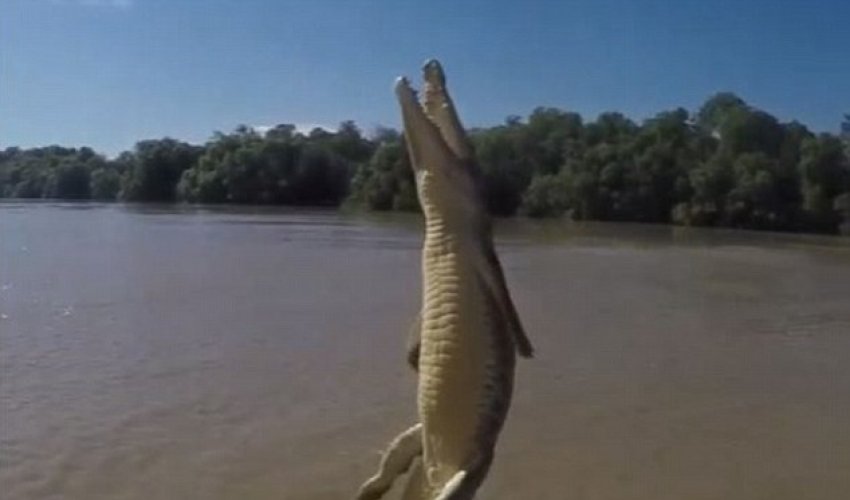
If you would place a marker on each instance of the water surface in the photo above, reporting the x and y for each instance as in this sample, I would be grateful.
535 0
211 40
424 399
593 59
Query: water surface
156 352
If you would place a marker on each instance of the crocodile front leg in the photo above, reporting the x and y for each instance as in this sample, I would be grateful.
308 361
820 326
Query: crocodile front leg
397 459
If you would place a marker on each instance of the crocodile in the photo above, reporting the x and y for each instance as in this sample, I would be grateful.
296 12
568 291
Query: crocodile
467 334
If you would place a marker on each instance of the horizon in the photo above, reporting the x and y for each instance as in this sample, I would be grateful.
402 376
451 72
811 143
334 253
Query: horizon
109 73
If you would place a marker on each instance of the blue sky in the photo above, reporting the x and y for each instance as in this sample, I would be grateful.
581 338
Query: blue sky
107 73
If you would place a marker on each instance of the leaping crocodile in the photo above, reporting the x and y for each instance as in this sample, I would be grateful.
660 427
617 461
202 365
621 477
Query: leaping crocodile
468 331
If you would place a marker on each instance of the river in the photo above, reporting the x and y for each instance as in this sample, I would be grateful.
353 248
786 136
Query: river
160 352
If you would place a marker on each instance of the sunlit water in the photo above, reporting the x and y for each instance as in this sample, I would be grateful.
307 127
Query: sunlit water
177 353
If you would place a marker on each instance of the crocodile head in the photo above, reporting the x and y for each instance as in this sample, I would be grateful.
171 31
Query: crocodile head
448 181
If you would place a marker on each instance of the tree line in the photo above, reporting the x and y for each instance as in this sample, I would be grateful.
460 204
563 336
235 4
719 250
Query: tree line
727 164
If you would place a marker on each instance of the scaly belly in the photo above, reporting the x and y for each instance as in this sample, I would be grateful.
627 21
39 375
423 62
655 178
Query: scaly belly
459 367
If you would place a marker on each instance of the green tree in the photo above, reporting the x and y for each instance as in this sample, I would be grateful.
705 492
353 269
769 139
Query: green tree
751 131
505 171
281 166
69 180
754 200
717 109
228 169
386 181
50 172
663 153
348 143
825 173
321 178
546 196
105 183
710 184
610 128
155 167
727 164
547 138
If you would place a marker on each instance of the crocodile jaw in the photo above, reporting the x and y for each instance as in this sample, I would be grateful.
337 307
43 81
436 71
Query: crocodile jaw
447 180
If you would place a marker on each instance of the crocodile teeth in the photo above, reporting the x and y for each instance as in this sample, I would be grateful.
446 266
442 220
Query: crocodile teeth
405 90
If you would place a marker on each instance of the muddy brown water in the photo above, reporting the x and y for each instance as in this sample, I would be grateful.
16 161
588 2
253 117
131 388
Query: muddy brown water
152 352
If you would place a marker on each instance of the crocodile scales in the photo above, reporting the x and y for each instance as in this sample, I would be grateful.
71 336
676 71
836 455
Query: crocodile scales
466 337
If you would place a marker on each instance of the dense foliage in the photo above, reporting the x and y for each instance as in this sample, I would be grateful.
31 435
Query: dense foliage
728 164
